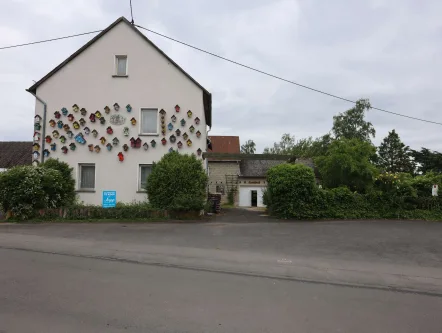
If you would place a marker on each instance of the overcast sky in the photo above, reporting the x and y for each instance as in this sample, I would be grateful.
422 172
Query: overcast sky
389 51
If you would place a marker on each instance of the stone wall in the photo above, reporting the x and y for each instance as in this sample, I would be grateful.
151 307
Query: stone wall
217 176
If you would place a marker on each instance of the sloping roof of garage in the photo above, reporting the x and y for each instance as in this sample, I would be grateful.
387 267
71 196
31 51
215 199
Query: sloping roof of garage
257 168
15 153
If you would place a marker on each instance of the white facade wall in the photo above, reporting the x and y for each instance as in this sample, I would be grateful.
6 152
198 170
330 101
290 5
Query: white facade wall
152 82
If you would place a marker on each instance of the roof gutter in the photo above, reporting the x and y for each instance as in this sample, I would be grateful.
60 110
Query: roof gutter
45 107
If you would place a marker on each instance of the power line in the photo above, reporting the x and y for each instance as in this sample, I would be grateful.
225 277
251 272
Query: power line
49 40
285 80
131 12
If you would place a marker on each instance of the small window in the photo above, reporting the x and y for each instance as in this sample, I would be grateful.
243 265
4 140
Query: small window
87 176
145 170
149 121
121 64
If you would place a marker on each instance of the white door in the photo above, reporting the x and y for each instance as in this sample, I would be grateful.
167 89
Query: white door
245 196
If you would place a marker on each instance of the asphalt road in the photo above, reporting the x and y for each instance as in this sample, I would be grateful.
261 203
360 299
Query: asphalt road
222 277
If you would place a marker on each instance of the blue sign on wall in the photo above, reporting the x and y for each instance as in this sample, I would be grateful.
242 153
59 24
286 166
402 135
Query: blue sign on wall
109 199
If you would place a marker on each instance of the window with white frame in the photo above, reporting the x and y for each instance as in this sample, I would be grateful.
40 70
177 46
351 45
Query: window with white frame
145 170
121 65
149 121
87 176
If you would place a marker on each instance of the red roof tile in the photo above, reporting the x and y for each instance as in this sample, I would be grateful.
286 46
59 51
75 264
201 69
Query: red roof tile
225 144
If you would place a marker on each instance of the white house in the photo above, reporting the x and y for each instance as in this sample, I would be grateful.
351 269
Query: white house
114 107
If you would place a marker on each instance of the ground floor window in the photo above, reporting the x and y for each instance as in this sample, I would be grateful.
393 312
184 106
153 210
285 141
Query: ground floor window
87 176
144 172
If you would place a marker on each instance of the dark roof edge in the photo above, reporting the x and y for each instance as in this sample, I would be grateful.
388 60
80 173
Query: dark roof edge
225 156
207 97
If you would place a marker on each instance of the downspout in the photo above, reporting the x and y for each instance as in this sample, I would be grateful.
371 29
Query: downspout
43 140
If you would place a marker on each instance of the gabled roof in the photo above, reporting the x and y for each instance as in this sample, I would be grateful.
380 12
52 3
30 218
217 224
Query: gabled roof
207 97
15 153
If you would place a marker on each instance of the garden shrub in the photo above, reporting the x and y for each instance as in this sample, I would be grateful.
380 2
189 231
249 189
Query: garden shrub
424 183
68 193
177 183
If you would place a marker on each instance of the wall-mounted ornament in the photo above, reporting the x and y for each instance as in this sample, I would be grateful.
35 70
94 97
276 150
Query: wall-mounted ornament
91 147
80 139
189 143
92 118
189 114
198 134
163 131
180 145
109 146
128 108
126 131
57 114
109 130
163 122
162 112
87 131
70 134
59 124
199 151
116 107
70 117
35 147
120 156
55 134
97 148
53 146
191 129
102 121
37 119
64 150
172 138
170 126
36 136
37 126
177 108
62 139
48 139
64 111
135 143
163 141
35 155
125 147
185 136
82 122
115 141
52 123
145 146
66 127
72 146
153 143
133 121
103 140
83 112
106 109
171 150
94 133
117 119
75 108
76 125
183 122
178 132
197 120
173 118
97 114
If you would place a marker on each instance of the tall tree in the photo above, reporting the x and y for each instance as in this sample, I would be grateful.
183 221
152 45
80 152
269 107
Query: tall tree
284 147
394 155
427 160
351 123
249 147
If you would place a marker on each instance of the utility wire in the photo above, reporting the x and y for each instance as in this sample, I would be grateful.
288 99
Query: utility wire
131 12
49 40
285 80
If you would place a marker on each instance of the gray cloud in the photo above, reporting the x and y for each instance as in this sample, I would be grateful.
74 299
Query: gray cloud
388 51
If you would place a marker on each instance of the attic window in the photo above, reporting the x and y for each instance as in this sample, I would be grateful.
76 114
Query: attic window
121 65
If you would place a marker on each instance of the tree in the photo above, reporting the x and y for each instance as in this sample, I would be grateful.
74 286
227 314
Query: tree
427 160
249 147
177 183
347 163
394 155
351 123
284 147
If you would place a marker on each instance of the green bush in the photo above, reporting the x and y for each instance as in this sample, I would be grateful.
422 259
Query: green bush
68 192
177 183
424 183
290 189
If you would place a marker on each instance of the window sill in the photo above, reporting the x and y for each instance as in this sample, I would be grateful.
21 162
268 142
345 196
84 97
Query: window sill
123 76
152 134
85 191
